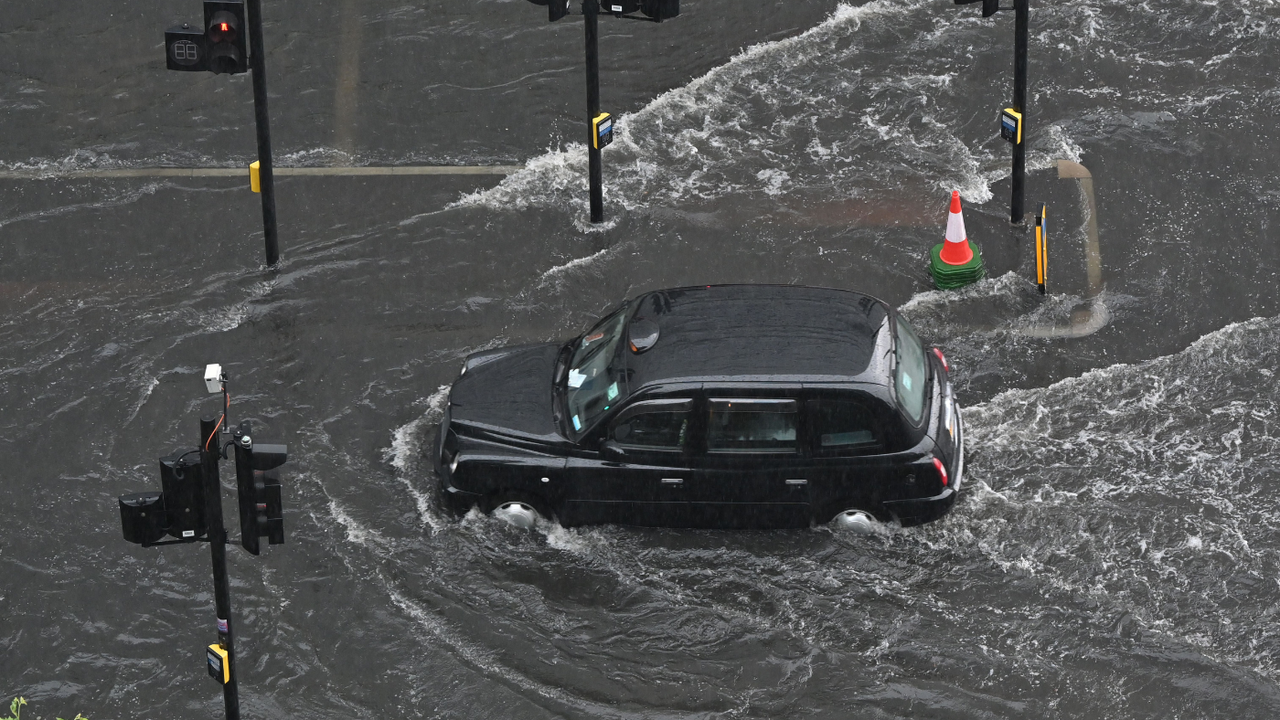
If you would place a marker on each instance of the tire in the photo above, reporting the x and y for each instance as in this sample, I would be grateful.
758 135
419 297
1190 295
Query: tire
521 510
854 520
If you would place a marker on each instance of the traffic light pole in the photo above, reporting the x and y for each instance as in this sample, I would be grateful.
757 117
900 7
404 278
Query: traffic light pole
1021 22
210 452
591 12
258 64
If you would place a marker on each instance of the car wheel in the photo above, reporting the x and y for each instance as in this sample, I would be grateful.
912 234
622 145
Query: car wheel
520 510
856 521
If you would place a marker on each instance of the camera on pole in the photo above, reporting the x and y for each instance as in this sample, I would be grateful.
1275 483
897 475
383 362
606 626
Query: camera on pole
989 7
258 487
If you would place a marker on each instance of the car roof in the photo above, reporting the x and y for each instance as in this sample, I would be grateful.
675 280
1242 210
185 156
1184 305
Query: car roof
759 333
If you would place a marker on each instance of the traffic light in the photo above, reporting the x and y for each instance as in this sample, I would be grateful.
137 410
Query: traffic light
224 32
556 9
143 518
660 9
182 484
258 486
989 7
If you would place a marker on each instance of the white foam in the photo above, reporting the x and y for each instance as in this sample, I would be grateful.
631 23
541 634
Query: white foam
577 263
405 453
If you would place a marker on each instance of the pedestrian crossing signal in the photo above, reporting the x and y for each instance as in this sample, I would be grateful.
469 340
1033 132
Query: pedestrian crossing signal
219 663
224 36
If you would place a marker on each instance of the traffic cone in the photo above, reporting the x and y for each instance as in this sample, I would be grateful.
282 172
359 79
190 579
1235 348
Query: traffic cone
955 262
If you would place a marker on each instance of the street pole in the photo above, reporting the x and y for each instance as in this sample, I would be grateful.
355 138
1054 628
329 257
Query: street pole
258 64
591 12
1022 10
210 452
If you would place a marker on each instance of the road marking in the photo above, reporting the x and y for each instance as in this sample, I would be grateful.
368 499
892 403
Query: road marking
37 174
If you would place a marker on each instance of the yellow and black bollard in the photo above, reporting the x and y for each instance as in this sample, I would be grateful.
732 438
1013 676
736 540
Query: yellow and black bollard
1042 249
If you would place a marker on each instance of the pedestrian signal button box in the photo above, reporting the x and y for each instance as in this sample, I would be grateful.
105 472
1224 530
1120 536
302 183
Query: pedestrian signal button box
219 664
601 130
1011 126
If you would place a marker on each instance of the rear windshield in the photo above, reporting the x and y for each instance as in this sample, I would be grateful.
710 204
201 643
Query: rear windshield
909 373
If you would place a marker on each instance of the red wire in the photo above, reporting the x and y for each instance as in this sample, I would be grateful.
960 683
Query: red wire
226 407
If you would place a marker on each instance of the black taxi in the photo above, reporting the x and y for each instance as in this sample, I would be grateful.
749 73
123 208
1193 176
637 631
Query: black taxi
724 406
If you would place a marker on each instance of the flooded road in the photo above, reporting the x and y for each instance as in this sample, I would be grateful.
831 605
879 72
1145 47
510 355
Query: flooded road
1115 554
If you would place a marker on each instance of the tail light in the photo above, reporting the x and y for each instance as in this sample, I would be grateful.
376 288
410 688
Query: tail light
942 471
943 359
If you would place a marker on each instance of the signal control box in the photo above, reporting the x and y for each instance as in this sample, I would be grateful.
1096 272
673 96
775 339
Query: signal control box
601 130
1011 126
219 664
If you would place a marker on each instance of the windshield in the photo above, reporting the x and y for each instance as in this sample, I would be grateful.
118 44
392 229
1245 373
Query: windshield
909 374
592 385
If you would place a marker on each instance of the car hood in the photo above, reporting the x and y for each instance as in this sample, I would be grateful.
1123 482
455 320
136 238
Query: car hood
508 391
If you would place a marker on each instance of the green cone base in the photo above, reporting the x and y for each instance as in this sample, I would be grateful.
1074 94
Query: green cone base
950 277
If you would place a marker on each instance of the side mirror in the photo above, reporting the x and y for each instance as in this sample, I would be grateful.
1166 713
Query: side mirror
610 448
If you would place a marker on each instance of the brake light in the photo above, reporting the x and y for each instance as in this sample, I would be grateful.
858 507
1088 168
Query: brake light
943 359
942 470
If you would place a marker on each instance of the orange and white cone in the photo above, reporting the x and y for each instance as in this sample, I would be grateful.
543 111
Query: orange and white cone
954 263
955 249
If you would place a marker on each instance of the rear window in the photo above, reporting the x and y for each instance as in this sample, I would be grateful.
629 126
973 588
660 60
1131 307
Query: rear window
909 371
750 425
845 426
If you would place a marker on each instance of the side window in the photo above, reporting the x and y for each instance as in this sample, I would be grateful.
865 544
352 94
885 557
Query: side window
845 426
653 425
751 425
910 371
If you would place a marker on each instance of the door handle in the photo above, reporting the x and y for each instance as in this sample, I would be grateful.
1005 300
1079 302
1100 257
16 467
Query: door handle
672 481
797 482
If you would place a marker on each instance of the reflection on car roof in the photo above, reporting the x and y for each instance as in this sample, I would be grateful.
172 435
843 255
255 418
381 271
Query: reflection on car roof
757 332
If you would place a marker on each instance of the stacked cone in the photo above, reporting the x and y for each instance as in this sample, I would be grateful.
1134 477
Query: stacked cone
955 263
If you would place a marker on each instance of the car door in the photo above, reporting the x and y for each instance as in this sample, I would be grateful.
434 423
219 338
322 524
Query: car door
752 471
639 476
848 438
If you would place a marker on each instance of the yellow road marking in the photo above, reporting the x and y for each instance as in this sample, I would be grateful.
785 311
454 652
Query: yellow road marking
36 174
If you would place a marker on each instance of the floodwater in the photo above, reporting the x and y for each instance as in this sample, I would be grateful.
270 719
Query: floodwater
1115 552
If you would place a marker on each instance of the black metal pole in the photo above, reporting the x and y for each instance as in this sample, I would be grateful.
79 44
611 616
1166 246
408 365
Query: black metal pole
258 64
591 11
210 452
1022 8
